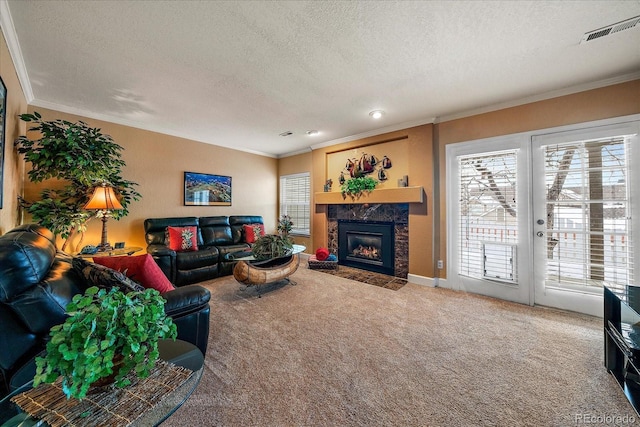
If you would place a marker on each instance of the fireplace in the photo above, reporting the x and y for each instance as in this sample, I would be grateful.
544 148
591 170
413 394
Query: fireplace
369 245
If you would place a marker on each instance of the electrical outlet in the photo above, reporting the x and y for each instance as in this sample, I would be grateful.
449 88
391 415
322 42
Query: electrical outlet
440 264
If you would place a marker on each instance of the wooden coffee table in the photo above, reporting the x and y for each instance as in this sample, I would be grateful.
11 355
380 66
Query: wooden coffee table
252 272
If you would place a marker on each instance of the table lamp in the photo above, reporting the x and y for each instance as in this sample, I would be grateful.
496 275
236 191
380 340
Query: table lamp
103 200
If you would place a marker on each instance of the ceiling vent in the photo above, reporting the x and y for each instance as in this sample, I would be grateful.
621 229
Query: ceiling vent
611 29
287 133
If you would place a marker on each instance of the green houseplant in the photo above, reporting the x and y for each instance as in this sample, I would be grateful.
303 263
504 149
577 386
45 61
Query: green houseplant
79 157
107 333
285 224
355 187
272 246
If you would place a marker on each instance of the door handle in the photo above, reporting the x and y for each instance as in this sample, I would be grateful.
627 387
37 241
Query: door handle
540 234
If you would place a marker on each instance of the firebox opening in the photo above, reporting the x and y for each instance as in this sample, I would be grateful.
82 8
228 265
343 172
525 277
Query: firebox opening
367 245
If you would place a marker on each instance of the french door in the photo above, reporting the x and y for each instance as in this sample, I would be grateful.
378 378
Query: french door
488 218
545 218
585 214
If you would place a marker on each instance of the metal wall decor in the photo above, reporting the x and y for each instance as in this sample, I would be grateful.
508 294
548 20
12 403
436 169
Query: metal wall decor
367 164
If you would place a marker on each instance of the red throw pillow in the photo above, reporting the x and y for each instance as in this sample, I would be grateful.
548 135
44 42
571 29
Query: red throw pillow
252 232
142 269
322 254
183 238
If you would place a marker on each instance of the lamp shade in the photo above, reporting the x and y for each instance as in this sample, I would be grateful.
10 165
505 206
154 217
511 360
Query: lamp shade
103 198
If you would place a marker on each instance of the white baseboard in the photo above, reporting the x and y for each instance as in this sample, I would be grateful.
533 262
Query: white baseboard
434 282
422 280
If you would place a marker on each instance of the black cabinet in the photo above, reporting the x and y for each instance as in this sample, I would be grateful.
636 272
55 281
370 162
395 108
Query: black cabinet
622 339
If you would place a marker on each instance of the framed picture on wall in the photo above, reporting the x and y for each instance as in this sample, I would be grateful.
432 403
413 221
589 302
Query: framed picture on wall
203 189
3 120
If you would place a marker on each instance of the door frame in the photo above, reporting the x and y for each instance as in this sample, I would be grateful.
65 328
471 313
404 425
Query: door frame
522 292
583 301
594 302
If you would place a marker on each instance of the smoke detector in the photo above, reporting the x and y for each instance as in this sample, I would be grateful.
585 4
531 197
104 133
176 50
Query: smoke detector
611 29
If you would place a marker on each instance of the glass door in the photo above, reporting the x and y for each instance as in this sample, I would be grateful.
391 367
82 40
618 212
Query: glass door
583 199
488 212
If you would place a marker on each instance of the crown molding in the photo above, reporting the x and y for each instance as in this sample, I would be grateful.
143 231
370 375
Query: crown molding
541 97
133 124
9 32
374 132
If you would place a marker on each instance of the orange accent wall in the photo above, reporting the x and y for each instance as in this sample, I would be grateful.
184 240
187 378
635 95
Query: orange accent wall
13 169
417 143
301 163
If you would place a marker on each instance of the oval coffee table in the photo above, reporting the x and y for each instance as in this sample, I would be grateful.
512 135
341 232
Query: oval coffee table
252 272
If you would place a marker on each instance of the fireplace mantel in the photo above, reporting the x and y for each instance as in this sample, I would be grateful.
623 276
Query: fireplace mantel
381 195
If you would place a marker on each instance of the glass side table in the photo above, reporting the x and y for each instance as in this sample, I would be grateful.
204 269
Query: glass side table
180 353
129 250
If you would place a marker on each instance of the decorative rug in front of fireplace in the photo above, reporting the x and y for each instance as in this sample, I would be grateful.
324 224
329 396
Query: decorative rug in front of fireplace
368 277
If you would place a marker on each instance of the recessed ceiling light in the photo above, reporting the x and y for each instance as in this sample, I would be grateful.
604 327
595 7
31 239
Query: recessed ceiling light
312 132
376 114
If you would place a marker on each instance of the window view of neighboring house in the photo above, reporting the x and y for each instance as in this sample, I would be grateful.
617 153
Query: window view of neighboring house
588 214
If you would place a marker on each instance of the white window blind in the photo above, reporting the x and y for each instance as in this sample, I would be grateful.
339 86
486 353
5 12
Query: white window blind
488 216
295 201
588 213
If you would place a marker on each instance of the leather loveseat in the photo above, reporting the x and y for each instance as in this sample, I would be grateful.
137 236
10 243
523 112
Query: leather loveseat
216 237
36 284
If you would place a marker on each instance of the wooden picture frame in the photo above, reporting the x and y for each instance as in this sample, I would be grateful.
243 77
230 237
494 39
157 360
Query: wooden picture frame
3 121
203 189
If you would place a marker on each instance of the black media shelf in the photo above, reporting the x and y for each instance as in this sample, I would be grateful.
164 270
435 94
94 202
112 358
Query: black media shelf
622 339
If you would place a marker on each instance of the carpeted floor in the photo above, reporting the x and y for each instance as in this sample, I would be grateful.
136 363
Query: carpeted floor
335 352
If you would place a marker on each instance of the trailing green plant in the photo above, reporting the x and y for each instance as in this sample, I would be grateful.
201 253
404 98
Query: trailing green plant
355 187
272 246
81 157
107 332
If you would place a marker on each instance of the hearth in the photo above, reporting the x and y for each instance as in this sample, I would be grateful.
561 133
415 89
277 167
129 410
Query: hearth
369 245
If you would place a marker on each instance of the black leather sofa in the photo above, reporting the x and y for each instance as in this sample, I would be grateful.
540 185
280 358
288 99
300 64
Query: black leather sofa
36 284
217 236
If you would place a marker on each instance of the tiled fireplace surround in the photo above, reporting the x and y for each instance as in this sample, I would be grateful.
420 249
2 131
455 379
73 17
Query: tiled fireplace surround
398 213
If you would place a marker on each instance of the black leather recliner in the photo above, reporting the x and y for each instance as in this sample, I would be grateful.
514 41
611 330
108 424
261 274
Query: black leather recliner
36 284
217 236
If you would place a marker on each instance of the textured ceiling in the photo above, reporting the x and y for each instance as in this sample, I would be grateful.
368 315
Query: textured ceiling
237 74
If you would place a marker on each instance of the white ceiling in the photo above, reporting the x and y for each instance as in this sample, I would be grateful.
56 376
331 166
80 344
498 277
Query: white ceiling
239 73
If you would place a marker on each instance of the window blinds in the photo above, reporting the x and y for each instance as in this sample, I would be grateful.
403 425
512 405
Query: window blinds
488 230
588 213
295 191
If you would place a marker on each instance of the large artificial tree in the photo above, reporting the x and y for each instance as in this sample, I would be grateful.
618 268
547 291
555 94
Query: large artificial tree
80 157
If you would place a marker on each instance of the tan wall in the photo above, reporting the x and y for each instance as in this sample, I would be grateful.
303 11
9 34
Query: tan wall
157 163
13 169
608 102
414 158
301 163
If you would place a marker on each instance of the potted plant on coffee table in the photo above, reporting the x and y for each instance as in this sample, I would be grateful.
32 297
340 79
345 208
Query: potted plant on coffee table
272 246
108 334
